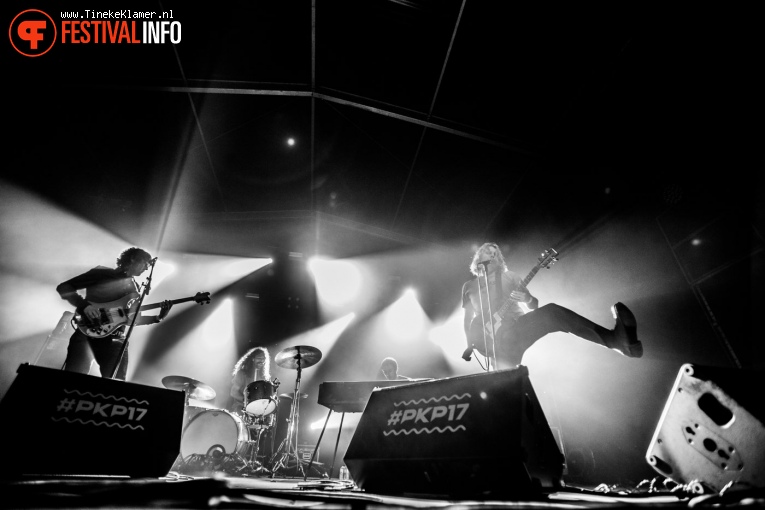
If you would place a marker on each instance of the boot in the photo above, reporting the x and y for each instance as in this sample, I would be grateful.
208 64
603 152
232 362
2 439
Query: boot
624 337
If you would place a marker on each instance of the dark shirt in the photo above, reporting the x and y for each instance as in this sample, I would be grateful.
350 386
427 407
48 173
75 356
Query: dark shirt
510 281
101 285
399 377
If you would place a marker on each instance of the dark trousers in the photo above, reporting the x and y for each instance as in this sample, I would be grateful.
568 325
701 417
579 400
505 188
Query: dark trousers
550 318
83 350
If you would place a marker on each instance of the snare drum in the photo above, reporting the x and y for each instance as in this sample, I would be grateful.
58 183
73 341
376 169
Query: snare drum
214 430
260 398
259 422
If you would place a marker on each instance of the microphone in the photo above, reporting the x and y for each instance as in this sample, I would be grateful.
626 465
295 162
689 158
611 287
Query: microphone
152 261
485 264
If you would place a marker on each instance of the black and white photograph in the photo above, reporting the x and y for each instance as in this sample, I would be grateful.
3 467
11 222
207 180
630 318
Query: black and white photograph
382 254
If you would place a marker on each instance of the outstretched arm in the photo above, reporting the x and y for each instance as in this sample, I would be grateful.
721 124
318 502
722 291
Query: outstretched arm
164 309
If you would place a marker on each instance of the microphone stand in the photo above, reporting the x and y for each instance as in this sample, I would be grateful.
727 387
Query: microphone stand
144 293
491 363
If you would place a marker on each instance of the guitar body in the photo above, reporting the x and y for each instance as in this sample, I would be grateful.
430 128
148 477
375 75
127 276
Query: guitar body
113 316
116 314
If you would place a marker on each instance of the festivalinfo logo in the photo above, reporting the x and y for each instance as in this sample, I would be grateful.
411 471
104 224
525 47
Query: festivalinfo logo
34 32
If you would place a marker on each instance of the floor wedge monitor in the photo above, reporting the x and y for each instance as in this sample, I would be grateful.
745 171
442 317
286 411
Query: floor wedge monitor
64 423
711 434
482 435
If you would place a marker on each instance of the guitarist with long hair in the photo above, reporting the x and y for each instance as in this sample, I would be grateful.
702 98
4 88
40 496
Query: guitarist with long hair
101 285
506 320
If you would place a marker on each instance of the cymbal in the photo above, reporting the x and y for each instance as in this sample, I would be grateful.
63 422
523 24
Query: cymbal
196 389
289 357
289 395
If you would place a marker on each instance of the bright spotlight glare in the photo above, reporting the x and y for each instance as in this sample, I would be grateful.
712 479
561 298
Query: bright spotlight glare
405 319
338 282
290 142
350 421
240 268
161 271
450 337
220 325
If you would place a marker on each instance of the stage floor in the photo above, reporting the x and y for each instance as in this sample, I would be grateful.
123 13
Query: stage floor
223 491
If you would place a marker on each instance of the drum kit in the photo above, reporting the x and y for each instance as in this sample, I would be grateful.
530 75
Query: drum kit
216 439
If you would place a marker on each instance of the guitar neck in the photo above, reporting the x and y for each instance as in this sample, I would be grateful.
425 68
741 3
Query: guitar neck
531 275
509 302
174 301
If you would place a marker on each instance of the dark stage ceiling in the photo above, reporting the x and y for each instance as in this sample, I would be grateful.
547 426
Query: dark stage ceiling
415 121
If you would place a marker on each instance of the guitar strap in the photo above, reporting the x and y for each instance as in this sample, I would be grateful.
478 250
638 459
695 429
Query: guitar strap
499 294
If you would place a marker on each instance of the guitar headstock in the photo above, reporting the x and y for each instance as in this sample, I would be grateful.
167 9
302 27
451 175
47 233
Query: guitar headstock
203 298
548 258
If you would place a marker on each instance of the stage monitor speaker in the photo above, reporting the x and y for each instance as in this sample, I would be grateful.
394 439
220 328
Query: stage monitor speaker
63 423
711 431
481 435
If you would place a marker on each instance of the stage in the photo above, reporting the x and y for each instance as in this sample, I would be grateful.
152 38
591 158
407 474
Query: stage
417 445
221 491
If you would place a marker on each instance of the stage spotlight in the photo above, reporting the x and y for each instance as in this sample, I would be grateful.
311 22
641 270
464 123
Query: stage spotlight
205 353
201 272
450 337
220 325
338 282
350 421
239 268
161 271
323 337
405 319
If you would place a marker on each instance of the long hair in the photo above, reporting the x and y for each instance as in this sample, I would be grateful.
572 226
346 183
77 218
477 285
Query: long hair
246 363
477 255
130 255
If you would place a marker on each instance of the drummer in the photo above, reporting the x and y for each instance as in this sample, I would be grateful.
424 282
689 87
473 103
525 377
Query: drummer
255 365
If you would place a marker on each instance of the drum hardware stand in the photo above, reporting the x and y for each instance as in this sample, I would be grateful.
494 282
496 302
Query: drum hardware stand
316 449
298 358
289 446
192 389
251 462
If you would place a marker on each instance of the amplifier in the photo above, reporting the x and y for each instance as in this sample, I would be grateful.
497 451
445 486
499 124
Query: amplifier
65 423
480 435
711 432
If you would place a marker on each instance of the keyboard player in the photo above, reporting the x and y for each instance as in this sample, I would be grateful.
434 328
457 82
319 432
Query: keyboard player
389 371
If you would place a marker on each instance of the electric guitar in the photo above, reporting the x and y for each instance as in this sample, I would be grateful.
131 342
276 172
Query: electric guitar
118 313
477 327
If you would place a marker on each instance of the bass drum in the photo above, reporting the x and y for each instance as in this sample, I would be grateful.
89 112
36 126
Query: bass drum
214 431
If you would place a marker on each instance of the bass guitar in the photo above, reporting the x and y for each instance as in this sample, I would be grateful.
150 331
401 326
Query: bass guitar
119 313
497 320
